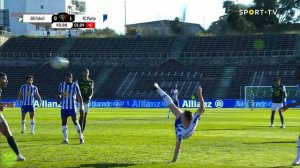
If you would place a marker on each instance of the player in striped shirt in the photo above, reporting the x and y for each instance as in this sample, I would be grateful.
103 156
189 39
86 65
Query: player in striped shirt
297 103
68 93
28 92
4 128
186 122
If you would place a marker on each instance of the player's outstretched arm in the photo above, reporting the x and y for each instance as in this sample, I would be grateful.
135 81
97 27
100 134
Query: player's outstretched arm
176 151
201 109
297 103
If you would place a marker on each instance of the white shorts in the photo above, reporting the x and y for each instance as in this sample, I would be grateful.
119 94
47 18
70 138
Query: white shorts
276 106
1 118
86 107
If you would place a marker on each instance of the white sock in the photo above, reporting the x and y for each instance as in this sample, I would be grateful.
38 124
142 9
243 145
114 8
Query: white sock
23 125
78 129
65 132
32 125
165 96
298 149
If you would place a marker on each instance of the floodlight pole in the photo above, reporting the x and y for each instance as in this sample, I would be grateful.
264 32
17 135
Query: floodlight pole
125 18
204 22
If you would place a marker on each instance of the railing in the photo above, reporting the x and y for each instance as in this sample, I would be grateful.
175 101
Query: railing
5 34
132 58
130 55
220 54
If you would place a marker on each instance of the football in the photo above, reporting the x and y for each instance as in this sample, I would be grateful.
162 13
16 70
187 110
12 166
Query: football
59 63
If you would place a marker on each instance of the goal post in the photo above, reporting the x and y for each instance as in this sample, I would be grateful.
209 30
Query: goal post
265 93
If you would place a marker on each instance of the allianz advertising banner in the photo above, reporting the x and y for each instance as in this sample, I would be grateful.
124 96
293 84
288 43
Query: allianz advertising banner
153 103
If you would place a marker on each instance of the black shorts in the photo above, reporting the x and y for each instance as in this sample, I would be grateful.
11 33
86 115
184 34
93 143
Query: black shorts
176 102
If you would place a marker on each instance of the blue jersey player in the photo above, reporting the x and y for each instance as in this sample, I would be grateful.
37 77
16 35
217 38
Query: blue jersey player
68 93
186 122
297 160
28 92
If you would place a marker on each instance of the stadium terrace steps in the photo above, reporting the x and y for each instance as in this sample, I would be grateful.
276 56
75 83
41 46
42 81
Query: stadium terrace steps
298 47
100 78
136 82
178 46
202 62
65 47
225 81
241 43
32 45
46 79
127 45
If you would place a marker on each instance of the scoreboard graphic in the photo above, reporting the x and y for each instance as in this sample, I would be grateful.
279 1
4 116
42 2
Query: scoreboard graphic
62 20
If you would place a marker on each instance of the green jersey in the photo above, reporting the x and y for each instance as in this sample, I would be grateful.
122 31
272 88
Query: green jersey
86 88
278 93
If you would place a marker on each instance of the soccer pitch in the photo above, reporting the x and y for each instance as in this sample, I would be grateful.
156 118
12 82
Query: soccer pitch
145 138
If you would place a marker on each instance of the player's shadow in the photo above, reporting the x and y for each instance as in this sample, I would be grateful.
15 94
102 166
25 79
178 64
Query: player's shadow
273 142
107 165
285 166
222 129
278 142
290 126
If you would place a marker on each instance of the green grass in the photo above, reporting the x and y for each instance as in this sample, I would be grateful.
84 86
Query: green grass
145 138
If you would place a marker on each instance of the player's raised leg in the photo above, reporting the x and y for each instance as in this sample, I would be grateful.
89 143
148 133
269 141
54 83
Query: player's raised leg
168 100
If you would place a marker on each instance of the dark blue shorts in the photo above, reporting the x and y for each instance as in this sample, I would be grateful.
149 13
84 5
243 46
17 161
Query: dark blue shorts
65 113
27 108
176 102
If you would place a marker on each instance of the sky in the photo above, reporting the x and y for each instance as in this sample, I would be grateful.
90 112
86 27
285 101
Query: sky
203 12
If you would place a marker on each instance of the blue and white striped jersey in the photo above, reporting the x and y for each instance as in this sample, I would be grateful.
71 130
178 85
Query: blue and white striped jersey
181 132
28 93
68 95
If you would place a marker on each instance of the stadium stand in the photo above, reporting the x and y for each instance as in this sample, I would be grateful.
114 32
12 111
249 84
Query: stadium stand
126 68
114 45
46 79
32 45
